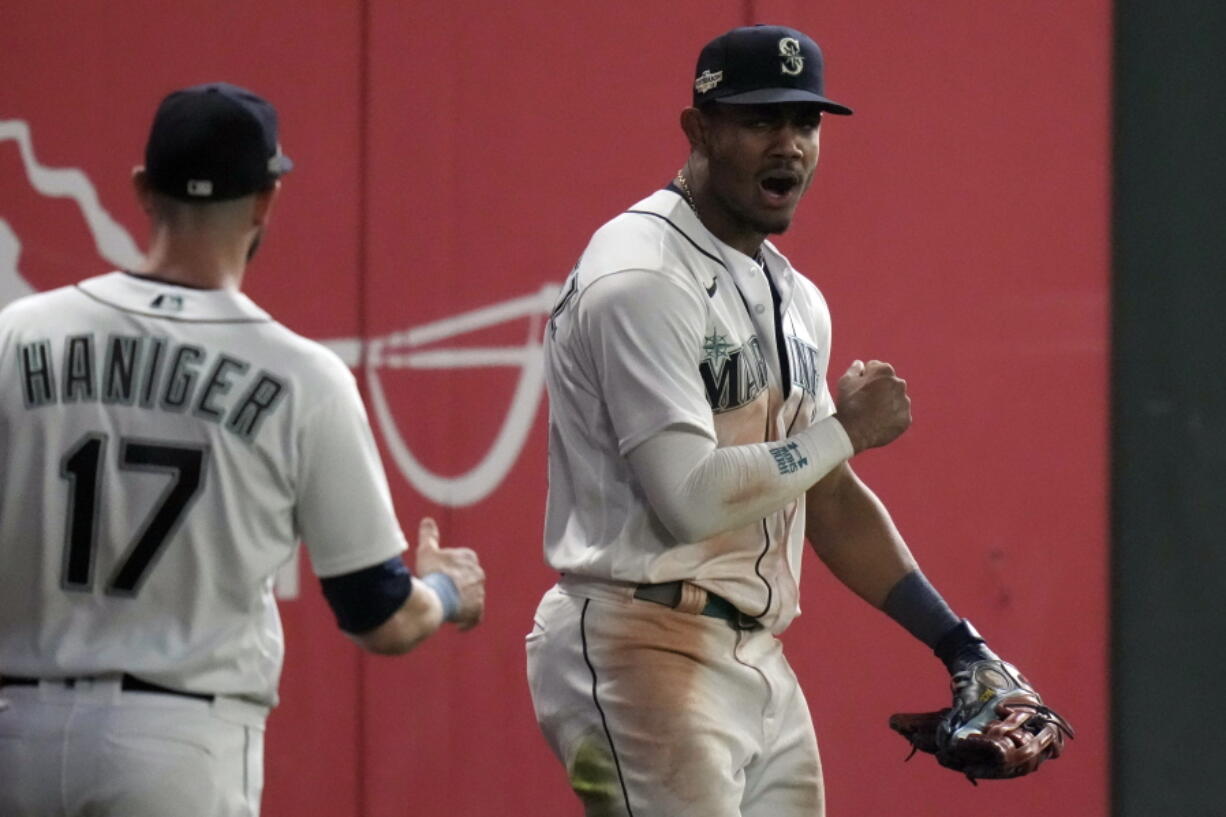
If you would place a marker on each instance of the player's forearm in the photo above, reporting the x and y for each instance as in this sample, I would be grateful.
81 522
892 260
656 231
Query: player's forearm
418 618
699 491
852 532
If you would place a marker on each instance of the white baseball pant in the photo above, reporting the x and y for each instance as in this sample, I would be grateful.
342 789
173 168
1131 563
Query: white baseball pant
94 749
655 712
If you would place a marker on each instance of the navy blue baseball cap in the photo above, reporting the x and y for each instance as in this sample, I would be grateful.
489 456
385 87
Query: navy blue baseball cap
757 65
212 143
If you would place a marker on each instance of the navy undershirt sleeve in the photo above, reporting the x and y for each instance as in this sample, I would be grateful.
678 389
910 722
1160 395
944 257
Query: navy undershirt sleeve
364 599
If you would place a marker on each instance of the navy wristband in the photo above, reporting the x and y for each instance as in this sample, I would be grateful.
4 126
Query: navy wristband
447 593
915 604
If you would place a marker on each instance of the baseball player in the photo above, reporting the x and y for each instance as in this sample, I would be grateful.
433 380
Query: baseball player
165 444
693 446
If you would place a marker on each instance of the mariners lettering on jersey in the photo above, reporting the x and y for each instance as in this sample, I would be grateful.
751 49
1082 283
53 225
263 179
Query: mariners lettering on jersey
733 377
150 373
802 359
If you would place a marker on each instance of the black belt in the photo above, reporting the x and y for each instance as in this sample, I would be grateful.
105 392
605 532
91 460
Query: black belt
669 594
127 683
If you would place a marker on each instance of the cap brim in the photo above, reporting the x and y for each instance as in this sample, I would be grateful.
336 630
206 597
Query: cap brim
766 96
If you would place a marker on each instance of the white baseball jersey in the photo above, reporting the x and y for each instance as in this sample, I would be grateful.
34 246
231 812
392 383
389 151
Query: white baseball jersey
164 449
723 357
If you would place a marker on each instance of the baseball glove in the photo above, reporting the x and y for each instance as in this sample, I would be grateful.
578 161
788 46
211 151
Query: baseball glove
998 726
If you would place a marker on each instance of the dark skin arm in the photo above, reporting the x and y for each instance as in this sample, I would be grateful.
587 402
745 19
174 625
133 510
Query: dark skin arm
852 533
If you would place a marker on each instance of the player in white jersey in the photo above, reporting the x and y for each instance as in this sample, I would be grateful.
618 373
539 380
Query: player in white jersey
693 446
164 445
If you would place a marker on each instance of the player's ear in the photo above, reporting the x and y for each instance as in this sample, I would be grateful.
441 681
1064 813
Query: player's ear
262 211
694 126
144 193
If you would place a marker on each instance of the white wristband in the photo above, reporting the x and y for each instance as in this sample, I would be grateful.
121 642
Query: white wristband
444 587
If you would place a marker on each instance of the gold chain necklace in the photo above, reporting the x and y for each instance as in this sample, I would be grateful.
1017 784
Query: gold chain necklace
685 188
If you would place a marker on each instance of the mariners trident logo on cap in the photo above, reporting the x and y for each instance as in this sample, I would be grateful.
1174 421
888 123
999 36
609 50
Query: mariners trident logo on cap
759 65
793 62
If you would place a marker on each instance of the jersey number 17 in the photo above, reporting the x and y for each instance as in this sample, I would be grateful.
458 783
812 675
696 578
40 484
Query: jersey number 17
82 468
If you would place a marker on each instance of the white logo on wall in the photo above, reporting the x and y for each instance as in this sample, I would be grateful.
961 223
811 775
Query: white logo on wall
396 350
110 238
792 63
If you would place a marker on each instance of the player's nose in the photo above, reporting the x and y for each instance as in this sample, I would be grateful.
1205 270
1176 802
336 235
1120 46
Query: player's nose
790 141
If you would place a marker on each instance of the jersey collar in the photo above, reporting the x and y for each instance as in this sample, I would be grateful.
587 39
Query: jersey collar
159 299
672 205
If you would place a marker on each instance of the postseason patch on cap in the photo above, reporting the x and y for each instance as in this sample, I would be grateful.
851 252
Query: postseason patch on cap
708 80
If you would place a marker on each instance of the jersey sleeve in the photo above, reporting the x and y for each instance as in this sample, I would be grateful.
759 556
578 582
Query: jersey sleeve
344 507
644 338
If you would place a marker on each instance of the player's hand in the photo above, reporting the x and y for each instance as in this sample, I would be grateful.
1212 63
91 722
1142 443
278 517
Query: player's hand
998 726
460 564
872 405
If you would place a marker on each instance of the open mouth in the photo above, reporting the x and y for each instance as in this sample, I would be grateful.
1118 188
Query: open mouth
779 185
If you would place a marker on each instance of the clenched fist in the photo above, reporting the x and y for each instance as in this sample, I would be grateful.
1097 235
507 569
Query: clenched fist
872 404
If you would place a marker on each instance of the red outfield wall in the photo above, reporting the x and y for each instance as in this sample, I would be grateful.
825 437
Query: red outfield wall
452 161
